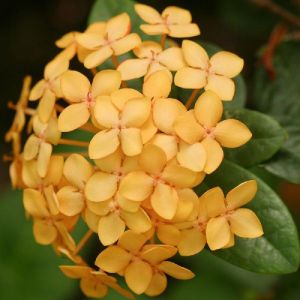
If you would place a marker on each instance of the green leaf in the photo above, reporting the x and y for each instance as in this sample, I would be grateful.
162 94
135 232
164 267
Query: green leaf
268 137
277 251
280 98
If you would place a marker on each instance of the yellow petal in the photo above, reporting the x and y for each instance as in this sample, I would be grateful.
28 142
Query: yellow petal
93 288
190 78
192 156
213 201
73 117
125 44
90 40
120 97
148 130
46 105
164 201
177 15
113 259
146 49
100 187
105 82
56 67
38 90
157 284
75 272
165 121
241 195
223 86
29 174
118 26
138 276
70 201
133 68
137 221
51 200
110 228
192 242
155 254
157 85
230 243
105 112
104 143
66 40
74 86
77 170
43 158
168 234
195 55
99 208
155 29
175 270
31 147
184 30
136 186
97 27
208 109
34 203
136 112
226 64
172 58
168 143
111 163
214 155
131 141
217 233
97 57
55 170
232 133
44 233
148 14
128 205
245 223
188 129
152 159
132 241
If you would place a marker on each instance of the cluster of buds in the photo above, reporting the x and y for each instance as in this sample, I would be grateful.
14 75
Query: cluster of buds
131 175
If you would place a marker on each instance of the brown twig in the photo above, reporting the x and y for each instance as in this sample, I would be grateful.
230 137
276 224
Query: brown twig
191 99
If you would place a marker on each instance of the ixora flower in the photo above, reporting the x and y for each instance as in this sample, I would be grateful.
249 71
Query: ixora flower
173 21
213 73
143 266
143 153
115 39
202 124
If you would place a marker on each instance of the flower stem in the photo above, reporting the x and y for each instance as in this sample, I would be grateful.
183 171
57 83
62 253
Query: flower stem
83 241
94 71
73 143
28 111
163 40
191 99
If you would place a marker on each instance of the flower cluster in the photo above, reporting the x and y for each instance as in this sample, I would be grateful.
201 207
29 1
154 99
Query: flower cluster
131 175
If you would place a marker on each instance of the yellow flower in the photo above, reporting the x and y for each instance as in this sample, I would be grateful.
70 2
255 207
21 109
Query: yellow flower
213 73
173 21
82 95
48 89
115 39
151 58
143 266
122 119
39 145
71 47
217 219
94 283
203 125
158 180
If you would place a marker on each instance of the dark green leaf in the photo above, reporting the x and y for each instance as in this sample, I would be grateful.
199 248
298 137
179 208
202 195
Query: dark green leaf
277 251
268 137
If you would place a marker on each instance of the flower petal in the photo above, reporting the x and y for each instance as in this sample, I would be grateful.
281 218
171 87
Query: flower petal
147 48
126 44
245 223
172 58
190 78
93 288
168 143
56 67
223 86
128 205
137 221
31 147
110 228
187 128
208 109
74 86
214 155
186 204
148 14
44 233
118 26
100 187
73 117
133 68
104 143
38 90
132 241
195 55
214 202
177 15
217 233
192 242
111 163
90 40
113 259
34 203
168 234
175 270
183 30
43 158
155 29
157 85
120 97
136 186
75 272
241 195
157 284
226 64
232 133
46 106
155 254
164 201
97 57
131 141
99 208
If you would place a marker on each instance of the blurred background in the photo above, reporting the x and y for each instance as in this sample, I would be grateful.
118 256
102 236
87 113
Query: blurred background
28 31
